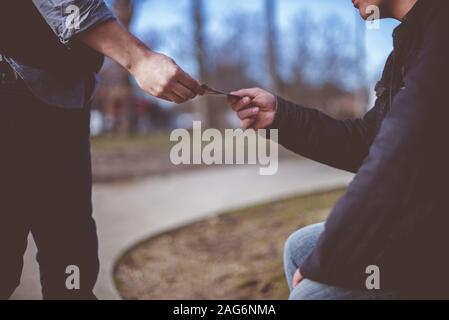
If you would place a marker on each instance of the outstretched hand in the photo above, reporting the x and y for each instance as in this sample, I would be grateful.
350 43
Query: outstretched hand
256 109
155 73
161 77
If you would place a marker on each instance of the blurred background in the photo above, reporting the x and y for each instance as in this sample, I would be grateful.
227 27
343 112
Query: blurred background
199 232
317 53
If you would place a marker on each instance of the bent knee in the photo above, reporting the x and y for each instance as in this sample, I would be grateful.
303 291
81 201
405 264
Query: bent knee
301 243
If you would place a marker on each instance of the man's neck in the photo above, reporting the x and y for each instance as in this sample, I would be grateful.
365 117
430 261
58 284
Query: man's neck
400 8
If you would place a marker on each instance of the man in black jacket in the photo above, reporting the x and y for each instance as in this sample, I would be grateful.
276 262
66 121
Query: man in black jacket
394 217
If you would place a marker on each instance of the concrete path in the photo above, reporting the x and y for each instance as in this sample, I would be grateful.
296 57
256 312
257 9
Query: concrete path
129 212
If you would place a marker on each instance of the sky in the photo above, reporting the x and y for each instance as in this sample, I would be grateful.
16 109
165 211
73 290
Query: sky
161 16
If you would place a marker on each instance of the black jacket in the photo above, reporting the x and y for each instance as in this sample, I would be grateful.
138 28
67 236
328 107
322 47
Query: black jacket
395 214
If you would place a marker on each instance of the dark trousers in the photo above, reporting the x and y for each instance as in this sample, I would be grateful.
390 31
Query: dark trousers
45 189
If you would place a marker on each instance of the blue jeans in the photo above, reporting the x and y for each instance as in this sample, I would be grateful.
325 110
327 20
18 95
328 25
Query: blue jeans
297 248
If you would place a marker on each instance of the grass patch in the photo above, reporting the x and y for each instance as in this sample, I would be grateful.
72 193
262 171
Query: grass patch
121 158
124 143
237 255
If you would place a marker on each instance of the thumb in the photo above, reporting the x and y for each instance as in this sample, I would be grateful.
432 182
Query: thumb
297 278
251 93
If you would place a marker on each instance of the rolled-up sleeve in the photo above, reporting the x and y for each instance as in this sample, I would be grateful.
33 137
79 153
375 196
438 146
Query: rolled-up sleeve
70 17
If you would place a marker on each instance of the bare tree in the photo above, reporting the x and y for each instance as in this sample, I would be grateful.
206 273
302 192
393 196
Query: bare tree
124 10
362 94
323 65
200 105
229 66
272 43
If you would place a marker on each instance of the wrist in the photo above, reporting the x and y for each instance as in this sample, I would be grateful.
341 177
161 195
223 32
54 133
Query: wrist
138 54
275 123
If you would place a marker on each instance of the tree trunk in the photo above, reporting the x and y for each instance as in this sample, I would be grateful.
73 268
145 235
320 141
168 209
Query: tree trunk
362 93
201 104
272 60
124 10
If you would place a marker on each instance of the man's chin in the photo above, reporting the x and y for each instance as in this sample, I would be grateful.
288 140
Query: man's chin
363 14
366 13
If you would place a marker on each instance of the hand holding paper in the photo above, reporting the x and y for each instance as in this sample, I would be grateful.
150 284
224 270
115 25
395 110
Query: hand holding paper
213 92
256 108
155 73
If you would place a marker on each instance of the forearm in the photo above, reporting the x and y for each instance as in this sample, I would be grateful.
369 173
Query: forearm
155 73
98 29
312 134
114 41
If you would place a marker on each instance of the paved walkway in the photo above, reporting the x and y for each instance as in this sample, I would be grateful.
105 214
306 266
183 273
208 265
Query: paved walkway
129 212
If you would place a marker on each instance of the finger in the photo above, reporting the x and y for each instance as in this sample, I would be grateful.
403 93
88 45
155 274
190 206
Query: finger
248 113
183 92
247 123
252 93
190 83
241 104
164 97
297 278
174 97
295 283
233 99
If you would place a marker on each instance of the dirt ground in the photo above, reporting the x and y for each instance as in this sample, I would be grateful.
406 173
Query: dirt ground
237 255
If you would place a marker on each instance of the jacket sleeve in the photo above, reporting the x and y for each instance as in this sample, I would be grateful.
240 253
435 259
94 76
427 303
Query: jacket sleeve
342 144
404 158
70 17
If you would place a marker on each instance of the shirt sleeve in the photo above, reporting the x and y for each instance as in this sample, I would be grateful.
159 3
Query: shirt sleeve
70 17
403 171
342 144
